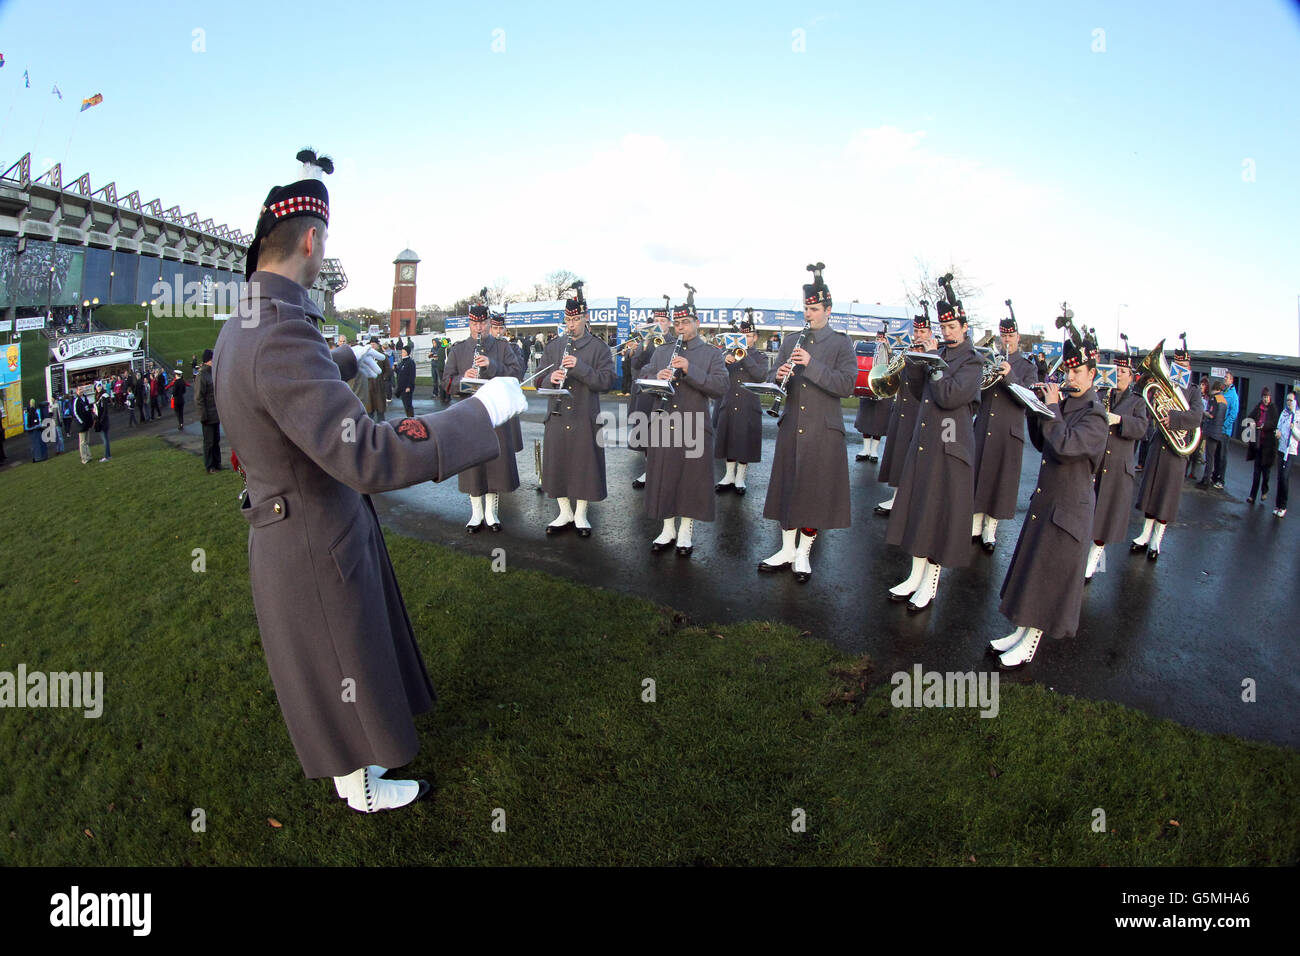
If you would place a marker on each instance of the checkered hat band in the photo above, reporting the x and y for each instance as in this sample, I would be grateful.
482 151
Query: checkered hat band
817 298
300 204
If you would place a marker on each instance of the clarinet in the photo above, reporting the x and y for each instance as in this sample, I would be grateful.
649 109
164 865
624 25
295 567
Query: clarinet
568 350
677 375
775 409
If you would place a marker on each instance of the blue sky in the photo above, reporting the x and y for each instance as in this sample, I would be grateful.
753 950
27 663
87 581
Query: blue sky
650 145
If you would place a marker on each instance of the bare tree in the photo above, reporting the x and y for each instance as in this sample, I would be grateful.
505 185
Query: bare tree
558 282
926 286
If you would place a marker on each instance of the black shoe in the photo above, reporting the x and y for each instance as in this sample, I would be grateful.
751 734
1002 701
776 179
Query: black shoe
862 457
553 529
685 552
989 546
719 488
771 568
739 489
873 459
474 528
1250 501
638 483
495 526
900 598
1152 555
583 532
802 576
885 512
656 547
1135 548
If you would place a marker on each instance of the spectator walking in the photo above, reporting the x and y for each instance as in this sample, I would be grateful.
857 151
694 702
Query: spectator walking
1288 442
155 395
1262 449
1229 425
103 405
205 399
406 381
178 389
83 420
35 437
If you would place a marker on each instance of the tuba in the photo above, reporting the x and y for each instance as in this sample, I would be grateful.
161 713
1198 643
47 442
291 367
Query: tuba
1162 397
993 360
886 376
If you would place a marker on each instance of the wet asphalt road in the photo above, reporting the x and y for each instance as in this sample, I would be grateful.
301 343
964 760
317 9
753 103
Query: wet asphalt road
1175 638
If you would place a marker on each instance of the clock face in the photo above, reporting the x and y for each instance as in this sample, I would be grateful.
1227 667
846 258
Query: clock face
408 273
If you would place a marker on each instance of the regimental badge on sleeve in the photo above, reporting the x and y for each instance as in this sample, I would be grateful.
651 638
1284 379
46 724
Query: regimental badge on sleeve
413 428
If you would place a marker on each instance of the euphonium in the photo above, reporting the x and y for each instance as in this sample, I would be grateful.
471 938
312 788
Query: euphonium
1162 397
886 376
993 360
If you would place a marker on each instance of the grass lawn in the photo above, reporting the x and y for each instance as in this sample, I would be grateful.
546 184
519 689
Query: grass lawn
541 715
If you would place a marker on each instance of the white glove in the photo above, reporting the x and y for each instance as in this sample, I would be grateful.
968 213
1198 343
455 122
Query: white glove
367 361
1112 418
936 375
503 399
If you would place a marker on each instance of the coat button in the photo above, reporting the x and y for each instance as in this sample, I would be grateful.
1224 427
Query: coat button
801 431
1037 490
1033 517
801 408
922 424
277 507
990 435
1108 451
1104 470
920 448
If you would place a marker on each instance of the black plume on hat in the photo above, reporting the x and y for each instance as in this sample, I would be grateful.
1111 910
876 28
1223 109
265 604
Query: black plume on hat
816 292
576 305
306 197
747 323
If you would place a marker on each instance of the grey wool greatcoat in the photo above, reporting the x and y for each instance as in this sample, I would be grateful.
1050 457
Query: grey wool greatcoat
1000 441
1044 583
873 417
809 485
932 513
501 474
738 416
573 460
1163 471
677 485
327 601
902 423
641 401
1117 480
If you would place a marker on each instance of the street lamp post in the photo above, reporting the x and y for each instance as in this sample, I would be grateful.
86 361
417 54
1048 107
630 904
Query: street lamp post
145 306
49 293
110 283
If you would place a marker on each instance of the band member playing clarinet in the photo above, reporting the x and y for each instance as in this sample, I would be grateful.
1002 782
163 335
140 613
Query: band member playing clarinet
574 460
935 491
643 402
1127 417
1000 440
902 416
809 487
873 418
482 357
1162 472
677 476
738 418
1043 590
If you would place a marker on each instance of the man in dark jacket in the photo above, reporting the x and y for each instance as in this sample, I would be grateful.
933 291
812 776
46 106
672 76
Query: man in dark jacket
1214 417
178 390
83 420
406 381
206 399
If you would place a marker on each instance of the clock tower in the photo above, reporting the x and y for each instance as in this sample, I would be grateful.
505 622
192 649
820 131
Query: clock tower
402 321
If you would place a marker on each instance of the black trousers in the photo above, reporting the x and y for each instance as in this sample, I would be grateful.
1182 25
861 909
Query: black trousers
211 446
180 414
1261 473
406 403
1282 478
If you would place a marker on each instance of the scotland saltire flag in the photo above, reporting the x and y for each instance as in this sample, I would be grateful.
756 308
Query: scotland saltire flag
898 340
733 340
1106 377
1182 377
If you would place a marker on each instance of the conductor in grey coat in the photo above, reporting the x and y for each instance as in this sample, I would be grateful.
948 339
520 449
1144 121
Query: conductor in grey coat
1043 589
809 486
339 644
1116 484
679 460
936 490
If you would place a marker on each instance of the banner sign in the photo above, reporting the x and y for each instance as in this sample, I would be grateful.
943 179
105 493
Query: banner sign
1216 372
26 325
7 325
11 372
71 346
330 332
624 329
